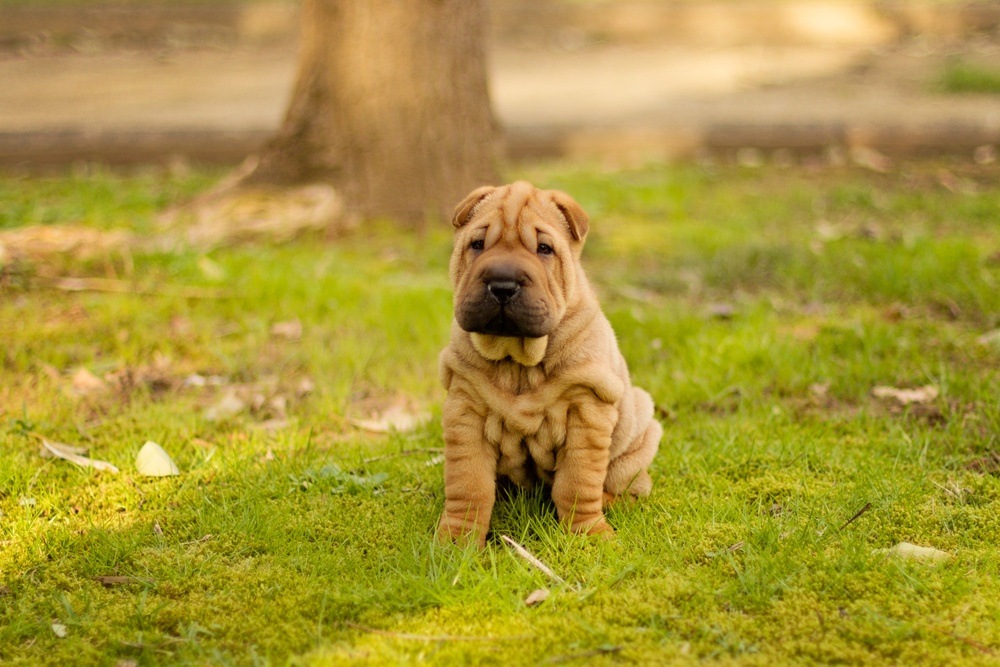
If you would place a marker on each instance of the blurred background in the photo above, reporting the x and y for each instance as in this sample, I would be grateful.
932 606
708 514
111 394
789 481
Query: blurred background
756 81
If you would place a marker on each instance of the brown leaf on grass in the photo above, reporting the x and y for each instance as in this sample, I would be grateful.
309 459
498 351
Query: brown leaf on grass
919 395
39 241
229 405
68 453
112 580
289 330
720 311
399 416
305 387
990 338
85 383
536 597
985 465
231 214
869 158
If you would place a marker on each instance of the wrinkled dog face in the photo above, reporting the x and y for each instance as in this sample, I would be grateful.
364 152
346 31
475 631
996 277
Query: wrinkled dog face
514 260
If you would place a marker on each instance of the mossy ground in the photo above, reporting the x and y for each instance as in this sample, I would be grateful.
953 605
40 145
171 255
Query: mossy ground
759 307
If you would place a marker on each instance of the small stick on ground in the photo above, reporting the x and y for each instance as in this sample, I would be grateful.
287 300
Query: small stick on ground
405 452
854 518
116 286
526 555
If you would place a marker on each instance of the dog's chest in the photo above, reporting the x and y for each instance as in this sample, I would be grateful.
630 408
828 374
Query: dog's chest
529 428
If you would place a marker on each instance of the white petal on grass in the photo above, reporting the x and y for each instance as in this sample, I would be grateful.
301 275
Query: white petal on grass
915 552
68 453
536 597
925 394
153 461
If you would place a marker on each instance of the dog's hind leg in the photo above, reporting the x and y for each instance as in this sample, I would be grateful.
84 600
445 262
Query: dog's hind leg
628 472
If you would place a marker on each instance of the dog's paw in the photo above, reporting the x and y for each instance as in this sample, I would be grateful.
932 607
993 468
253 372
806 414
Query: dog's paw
599 527
460 533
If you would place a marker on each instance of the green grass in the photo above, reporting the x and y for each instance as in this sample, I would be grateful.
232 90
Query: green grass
966 77
310 543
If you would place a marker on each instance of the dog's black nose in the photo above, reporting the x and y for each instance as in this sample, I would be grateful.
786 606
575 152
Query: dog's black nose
503 290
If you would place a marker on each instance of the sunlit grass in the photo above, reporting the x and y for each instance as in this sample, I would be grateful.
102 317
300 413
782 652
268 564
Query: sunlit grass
759 307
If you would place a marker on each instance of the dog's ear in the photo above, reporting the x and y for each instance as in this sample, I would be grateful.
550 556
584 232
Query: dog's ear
575 216
464 210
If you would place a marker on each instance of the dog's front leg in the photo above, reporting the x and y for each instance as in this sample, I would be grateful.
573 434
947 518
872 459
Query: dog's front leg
470 469
581 465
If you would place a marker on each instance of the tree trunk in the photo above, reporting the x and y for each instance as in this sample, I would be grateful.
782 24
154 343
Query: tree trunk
390 106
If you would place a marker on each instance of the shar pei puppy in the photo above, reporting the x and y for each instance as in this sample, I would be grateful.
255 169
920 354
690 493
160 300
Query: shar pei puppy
537 388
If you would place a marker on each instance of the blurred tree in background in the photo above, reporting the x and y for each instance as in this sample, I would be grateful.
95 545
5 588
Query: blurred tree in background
390 106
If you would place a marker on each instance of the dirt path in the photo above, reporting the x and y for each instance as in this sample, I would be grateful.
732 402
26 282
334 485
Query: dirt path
638 98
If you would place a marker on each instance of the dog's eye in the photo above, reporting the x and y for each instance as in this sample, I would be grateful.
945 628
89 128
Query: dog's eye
545 249
478 244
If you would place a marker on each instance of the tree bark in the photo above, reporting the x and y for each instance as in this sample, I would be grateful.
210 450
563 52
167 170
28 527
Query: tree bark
390 106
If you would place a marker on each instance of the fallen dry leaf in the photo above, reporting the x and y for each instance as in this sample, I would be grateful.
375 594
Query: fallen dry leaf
153 461
394 418
925 394
228 406
305 387
226 216
290 330
536 597
110 580
986 465
39 241
915 552
990 338
869 158
68 453
85 383
721 311
45 453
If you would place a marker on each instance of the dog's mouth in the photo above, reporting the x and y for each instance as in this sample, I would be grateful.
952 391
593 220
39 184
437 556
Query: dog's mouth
503 325
515 319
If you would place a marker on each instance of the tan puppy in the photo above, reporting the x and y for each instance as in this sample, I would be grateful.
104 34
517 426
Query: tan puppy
537 389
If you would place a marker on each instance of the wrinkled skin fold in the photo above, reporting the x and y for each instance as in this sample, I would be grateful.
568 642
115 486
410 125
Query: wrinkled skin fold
537 388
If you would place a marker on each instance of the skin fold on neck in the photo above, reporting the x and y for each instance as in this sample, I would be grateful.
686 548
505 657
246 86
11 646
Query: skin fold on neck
525 351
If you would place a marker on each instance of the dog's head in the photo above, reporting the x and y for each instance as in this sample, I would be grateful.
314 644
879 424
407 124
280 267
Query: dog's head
515 260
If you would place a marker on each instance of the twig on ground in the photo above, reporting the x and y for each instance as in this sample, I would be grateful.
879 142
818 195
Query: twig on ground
116 286
526 555
405 452
982 648
432 638
854 518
